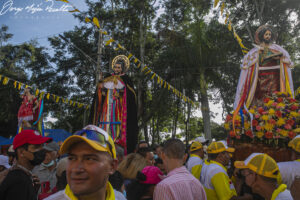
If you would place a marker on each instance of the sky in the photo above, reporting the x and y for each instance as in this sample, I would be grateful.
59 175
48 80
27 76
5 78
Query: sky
38 19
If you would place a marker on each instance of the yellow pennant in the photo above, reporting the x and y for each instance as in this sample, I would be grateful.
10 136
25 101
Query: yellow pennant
216 3
74 104
148 72
87 107
135 60
158 79
96 22
229 26
42 95
222 8
19 86
161 82
104 32
0 77
87 20
121 47
152 77
54 97
66 1
109 41
165 84
129 56
67 100
75 10
63 100
144 68
70 102
48 96
245 51
5 81
226 19
15 84
26 86
37 92
168 86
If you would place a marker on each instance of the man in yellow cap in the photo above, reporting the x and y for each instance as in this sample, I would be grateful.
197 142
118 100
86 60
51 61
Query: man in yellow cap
91 159
195 162
289 170
214 177
261 173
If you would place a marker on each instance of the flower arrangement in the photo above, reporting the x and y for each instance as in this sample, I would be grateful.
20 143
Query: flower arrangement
277 120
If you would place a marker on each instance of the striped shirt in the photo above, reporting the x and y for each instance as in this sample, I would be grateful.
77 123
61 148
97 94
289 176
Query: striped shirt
178 185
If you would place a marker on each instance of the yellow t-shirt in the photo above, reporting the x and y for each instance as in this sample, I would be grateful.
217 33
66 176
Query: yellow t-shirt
216 182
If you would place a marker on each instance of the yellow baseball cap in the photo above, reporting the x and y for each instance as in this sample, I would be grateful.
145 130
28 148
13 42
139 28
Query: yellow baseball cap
195 146
295 143
94 136
218 147
261 164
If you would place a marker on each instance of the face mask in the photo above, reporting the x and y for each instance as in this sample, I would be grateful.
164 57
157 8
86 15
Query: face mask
39 157
49 164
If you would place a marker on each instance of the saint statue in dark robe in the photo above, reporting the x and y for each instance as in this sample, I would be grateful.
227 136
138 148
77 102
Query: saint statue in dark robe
114 105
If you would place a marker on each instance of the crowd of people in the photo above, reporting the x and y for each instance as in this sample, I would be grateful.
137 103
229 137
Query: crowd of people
88 165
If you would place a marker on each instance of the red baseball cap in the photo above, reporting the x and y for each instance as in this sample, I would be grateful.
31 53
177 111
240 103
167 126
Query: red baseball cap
29 137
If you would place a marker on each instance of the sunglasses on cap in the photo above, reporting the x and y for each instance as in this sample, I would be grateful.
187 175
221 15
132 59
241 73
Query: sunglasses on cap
95 136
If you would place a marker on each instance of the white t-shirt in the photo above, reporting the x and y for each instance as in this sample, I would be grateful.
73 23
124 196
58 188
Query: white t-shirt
285 195
288 171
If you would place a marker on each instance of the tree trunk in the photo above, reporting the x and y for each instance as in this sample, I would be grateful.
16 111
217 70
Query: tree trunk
205 105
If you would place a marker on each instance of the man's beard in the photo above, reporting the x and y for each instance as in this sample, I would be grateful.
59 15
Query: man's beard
267 41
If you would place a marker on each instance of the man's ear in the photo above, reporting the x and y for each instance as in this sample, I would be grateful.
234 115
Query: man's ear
185 157
114 165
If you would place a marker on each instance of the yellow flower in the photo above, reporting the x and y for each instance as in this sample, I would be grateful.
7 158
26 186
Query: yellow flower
246 125
280 122
251 111
259 134
226 126
294 114
269 127
281 105
265 117
269 103
271 112
284 133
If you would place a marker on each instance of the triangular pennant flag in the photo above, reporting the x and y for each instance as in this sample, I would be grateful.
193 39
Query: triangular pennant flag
222 8
145 67
152 77
138 66
87 20
75 10
120 46
226 19
161 82
70 102
109 41
37 92
26 86
216 3
165 84
15 84
48 96
229 26
5 80
168 86
74 104
104 32
20 86
148 72
135 60
129 56
96 22
42 95
67 100
63 100
158 79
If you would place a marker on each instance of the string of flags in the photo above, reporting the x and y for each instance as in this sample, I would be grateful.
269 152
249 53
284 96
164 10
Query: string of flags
137 63
230 25
42 94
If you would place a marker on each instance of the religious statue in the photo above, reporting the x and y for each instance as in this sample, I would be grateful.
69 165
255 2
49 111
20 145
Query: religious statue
114 105
28 111
265 69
